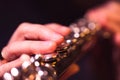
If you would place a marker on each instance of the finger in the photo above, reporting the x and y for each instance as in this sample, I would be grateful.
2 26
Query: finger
15 49
92 15
27 31
74 68
63 30
16 63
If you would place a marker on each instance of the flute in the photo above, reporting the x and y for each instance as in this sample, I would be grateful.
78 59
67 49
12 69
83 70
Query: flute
52 66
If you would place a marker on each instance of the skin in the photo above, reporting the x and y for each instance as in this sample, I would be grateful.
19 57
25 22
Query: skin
52 35
28 39
33 38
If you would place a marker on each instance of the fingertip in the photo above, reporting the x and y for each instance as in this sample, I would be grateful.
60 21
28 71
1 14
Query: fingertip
3 52
58 39
65 30
6 54
50 47
42 47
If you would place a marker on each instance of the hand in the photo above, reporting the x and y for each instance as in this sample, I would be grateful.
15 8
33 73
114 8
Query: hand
6 66
108 15
31 39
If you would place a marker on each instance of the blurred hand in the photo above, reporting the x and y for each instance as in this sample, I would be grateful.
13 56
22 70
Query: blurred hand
107 15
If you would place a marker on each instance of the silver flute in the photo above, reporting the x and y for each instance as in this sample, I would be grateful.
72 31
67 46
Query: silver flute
52 66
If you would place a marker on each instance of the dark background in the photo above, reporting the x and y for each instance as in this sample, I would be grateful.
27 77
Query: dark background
14 12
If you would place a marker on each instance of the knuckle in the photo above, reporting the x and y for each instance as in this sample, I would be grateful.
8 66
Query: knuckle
24 23
53 25
23 27
27 26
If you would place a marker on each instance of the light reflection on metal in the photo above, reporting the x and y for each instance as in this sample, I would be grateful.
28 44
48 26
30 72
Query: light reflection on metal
7 76
26 64
14 72
36 63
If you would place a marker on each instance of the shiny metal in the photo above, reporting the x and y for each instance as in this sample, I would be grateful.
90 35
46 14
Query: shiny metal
53 66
